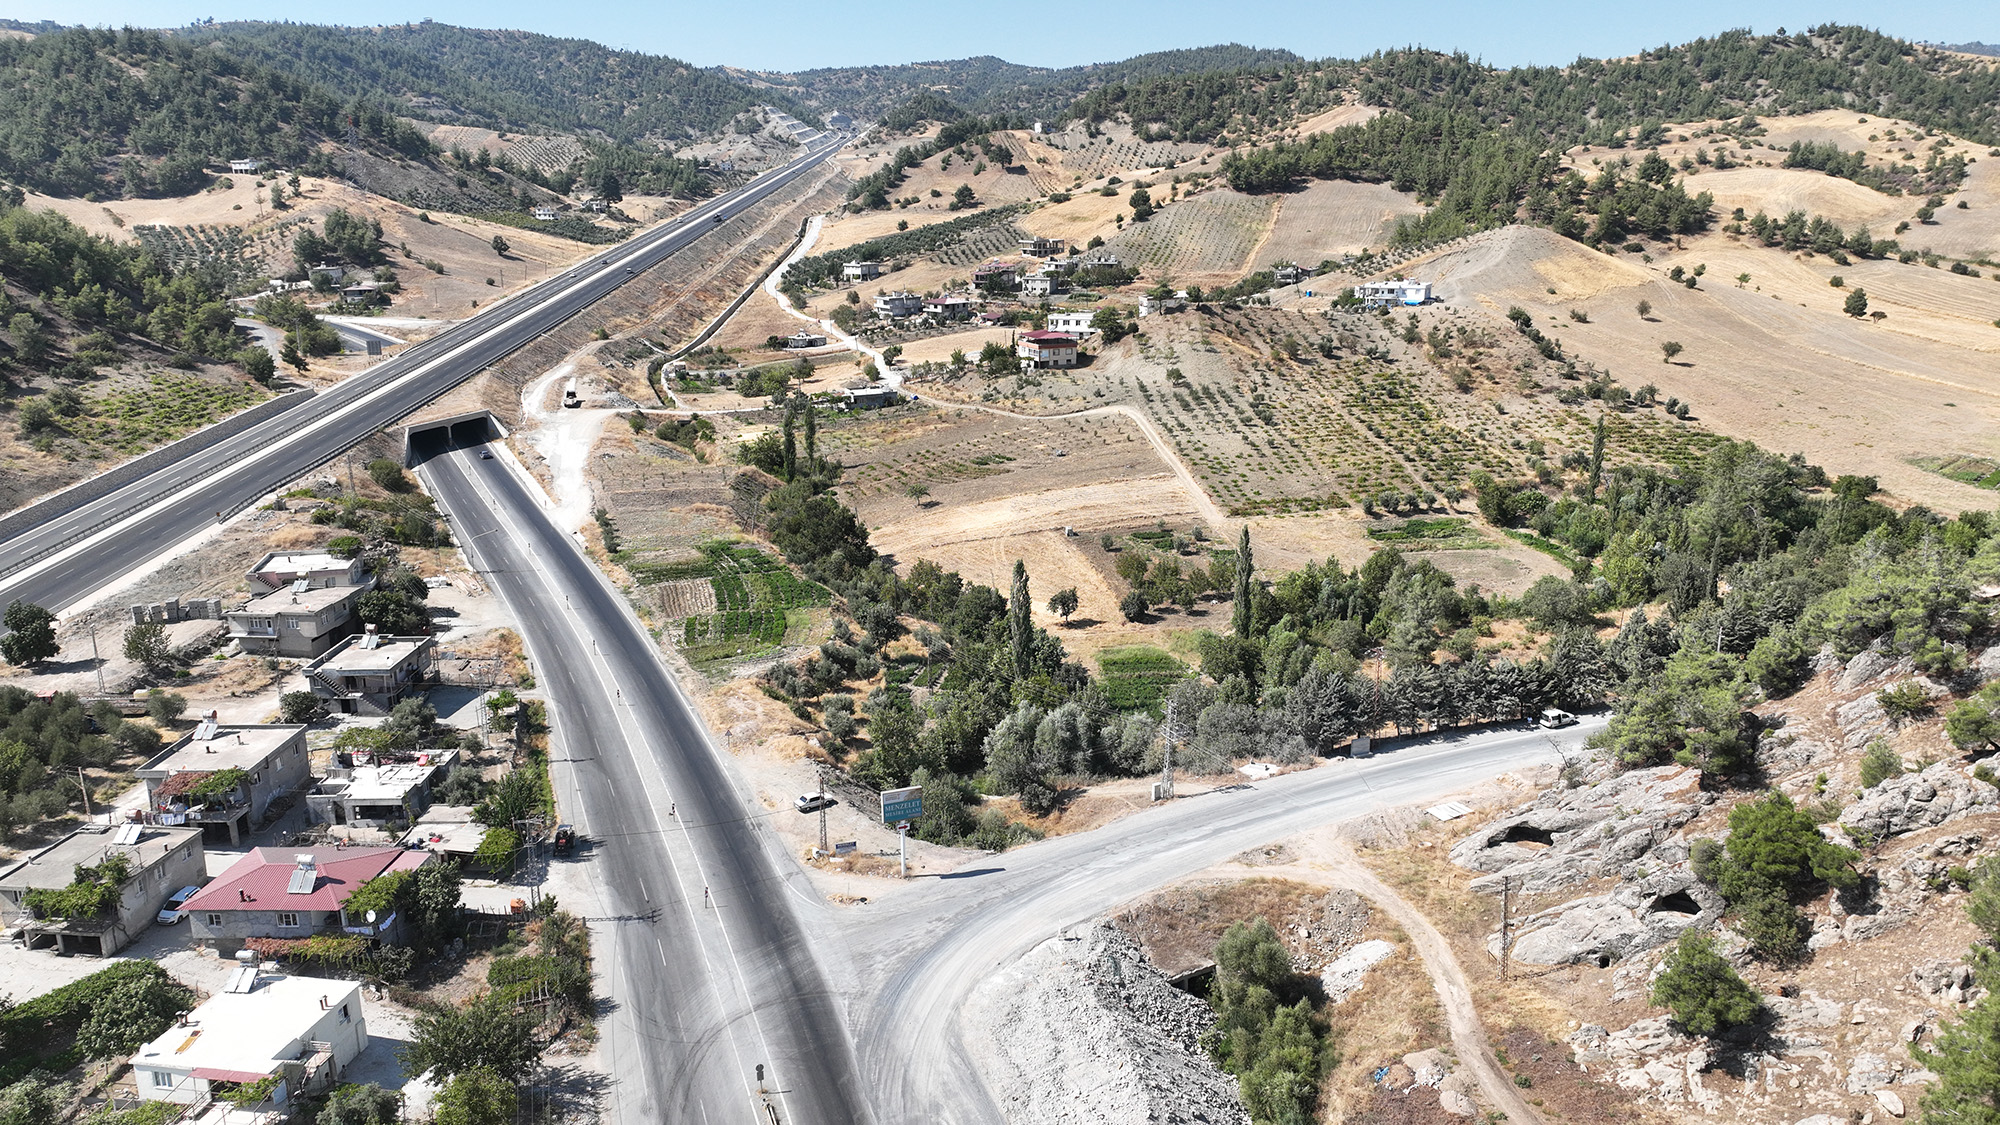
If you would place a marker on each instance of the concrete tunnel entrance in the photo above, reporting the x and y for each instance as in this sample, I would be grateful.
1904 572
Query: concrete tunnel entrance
426 439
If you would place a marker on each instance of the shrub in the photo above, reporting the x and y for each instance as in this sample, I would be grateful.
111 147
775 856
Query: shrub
389 475
300 707
1879 764
1704 994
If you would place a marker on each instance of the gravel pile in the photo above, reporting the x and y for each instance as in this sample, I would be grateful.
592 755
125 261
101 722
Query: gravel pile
1085 1029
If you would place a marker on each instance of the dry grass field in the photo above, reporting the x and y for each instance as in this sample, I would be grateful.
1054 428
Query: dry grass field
1774 360
1329 218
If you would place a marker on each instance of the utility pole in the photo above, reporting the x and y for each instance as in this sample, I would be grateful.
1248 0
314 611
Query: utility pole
1168 732
90 619
823 849
85 786
1506 912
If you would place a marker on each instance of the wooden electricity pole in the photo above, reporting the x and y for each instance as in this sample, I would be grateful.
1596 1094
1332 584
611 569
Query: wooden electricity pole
1506 910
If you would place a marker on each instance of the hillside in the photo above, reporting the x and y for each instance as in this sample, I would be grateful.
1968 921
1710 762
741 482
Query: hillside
986 84
509 80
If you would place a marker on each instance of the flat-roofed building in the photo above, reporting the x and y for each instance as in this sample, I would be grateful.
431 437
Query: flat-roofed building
369 673
300 621
304 1031
370 796
268 759
160 859
281 569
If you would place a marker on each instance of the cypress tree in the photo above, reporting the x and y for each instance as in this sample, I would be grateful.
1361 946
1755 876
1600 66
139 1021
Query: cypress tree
1020 627
791 446
1240 612
812 437
1597 456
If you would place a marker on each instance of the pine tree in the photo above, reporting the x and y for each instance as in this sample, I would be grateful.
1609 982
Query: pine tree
1704 993
1020 626
1240 613
812 436
1966 1057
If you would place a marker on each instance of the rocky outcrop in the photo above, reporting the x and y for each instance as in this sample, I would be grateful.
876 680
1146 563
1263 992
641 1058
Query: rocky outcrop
1570 836
1608 928
1343 978
1939 794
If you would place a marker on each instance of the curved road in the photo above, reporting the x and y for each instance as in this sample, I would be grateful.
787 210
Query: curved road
84 547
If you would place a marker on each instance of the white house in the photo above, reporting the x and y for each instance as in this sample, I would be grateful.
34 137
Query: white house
1038 285
269 760
304 1031
1075 322
160 860
895 306
1385 294
545 214
860 271
280 569
246 167
802 340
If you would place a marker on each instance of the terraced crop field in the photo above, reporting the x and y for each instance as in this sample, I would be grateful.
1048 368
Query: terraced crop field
168 406
758 601
1138 677
1211 233
242 256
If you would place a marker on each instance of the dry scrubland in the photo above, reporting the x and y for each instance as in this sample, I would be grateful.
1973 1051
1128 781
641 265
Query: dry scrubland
1774 360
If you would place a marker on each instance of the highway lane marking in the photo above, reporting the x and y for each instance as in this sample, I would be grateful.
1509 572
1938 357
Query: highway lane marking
539 298
633 743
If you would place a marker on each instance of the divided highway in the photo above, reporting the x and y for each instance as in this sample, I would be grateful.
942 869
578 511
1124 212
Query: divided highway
709 965
68 557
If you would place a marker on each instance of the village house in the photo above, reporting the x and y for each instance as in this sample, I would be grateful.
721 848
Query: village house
1388 294
595 206
1288 274
301 622
267 761
447 830
305 1031
948 308
802 340
287 893
544 214
869 397
1046 349
1038 285
376 794
161 859
860 271
1043 247
367 674
246 167
896 306
278 570
1150 305
996 277
361 293
330 271
1074 322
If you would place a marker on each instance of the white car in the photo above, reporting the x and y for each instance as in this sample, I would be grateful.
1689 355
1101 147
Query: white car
1553 718
813 802
171 912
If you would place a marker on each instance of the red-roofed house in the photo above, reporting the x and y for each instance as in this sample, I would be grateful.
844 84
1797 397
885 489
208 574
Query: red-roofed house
286 893
1046 349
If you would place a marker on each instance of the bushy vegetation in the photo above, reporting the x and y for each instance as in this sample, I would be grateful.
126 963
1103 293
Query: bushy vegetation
1266 1033
90 111
1774 859
507 80
43 741
1702 990
126 1002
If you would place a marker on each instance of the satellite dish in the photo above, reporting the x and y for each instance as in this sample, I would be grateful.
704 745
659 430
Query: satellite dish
371 917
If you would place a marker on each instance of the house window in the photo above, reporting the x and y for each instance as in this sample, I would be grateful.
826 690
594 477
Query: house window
162 1078
344 1016
288 920
215 920
292 623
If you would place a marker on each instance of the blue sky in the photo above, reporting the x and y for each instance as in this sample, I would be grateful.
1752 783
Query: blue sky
794 35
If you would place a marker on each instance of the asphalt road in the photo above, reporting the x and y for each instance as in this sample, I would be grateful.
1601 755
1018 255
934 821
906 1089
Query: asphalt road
710 967
927 948
72 555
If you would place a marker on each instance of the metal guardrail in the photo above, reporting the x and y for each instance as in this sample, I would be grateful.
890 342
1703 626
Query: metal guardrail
432 344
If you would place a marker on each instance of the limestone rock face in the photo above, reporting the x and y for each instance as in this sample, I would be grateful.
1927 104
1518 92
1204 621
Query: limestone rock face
1637 916
1918 800
1571 836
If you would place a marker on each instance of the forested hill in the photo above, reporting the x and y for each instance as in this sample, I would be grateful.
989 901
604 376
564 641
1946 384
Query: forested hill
1590 101
510 80
137 113
990 85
